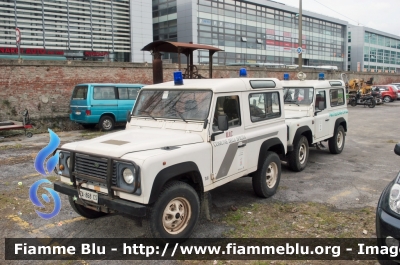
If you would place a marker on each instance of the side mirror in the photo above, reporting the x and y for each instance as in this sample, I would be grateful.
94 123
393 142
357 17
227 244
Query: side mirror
223 123
128 116
397 149
321 105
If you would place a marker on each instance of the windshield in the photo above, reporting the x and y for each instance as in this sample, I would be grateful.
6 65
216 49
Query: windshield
173 104
298 95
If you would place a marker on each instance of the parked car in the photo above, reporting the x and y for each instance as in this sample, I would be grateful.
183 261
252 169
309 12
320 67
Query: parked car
388 217
103 104
398 89
388 92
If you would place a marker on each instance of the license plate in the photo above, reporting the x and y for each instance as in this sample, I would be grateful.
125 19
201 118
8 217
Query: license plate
77 112
88 195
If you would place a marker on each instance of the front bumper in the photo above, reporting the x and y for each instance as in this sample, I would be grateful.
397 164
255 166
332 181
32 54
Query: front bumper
115 204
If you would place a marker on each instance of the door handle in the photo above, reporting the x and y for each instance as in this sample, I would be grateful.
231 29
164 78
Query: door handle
327 120
241 145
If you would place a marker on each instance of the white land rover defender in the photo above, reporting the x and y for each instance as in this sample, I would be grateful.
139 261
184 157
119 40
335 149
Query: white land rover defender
316 111
181 141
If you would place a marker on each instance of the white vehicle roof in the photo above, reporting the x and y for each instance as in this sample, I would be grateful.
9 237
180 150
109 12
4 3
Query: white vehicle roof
217 85
313 83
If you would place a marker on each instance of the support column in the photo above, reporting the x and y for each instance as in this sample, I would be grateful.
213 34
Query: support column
157 68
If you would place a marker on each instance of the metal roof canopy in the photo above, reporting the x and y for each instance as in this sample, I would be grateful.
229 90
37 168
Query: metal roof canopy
182 47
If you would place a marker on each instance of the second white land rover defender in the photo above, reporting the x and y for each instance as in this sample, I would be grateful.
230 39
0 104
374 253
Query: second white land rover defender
316 112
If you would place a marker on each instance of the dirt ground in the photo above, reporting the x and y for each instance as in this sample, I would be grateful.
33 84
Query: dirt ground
335 196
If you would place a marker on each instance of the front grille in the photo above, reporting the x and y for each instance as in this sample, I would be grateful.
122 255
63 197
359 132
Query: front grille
94 167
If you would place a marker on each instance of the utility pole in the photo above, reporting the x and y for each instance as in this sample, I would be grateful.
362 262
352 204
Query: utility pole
300 34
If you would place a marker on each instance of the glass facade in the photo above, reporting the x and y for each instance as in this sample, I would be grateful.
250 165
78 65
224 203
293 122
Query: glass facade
83 30
381 54
165 24
252 33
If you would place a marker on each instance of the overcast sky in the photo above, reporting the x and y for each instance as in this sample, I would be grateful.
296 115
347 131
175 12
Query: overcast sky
377 14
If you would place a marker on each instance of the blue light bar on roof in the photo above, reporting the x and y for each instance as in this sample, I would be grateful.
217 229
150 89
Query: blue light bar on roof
243 72
178 78
286 76
321 76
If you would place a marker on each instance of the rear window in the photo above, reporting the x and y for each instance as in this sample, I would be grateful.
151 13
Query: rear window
80 92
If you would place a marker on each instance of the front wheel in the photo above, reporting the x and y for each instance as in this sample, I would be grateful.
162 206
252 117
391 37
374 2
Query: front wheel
371 103
83 211
299 156
266 179
175 213
336 143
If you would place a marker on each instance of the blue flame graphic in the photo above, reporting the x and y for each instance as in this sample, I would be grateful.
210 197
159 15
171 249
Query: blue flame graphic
45 152
35 200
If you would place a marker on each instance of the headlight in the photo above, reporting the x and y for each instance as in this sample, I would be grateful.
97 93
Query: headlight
128 175
394 198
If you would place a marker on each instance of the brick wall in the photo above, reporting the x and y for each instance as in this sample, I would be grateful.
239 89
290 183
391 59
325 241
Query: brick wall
45 87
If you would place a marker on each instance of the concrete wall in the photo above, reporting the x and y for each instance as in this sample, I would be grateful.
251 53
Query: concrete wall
45 87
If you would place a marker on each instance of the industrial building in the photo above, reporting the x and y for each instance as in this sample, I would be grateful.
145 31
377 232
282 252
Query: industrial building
253 32
105 30
371 50
250 32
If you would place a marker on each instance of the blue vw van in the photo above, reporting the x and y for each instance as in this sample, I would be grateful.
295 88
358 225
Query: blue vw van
103 104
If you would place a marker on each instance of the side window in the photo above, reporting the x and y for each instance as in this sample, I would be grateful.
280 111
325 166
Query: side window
105 92
264 106
320 102
337 97
228 105
123 93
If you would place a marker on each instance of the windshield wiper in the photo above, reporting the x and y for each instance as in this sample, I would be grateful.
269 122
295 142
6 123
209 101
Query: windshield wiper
292 101
180 115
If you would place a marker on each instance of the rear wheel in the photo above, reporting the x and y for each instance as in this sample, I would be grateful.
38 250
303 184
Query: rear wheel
387 99
107 123
371 103
336 143
175 213
83 211
266 179
299 156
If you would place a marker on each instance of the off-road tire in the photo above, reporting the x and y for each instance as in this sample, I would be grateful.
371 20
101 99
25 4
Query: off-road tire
106 123
297 159
266 179
175 194
83 211
336 143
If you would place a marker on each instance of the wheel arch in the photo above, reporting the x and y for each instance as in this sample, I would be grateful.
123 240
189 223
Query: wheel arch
108 114
274 145
187 172
340 121
305 131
